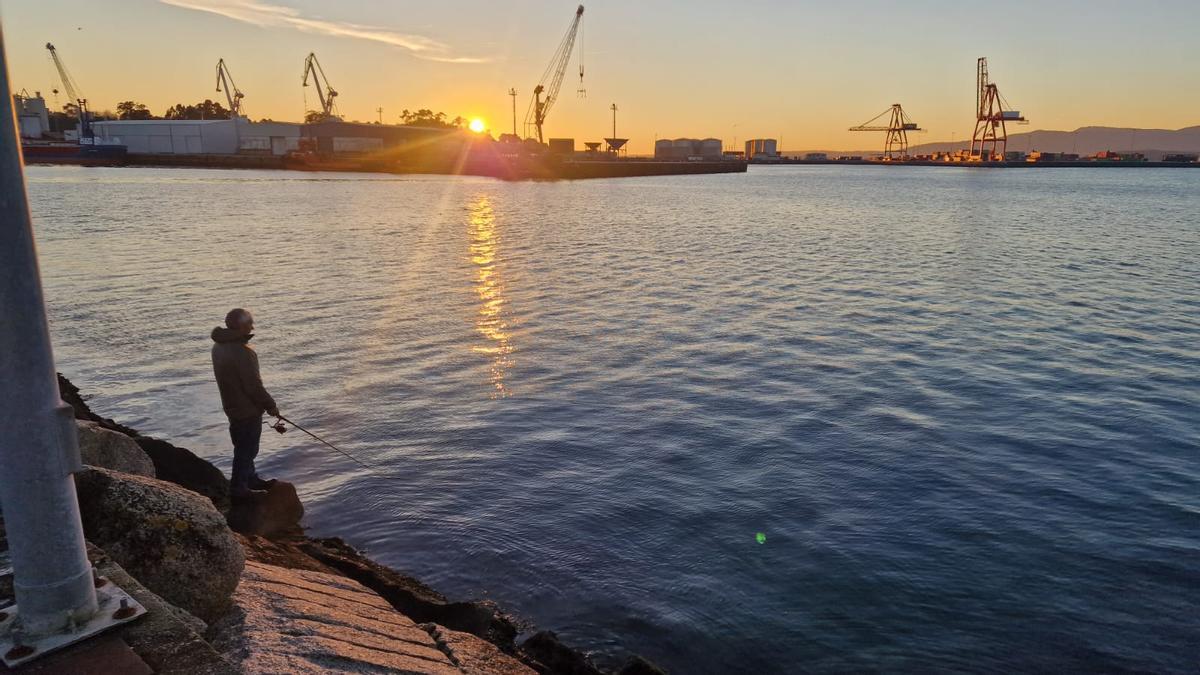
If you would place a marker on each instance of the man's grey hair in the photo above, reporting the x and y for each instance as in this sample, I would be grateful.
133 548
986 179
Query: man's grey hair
236 318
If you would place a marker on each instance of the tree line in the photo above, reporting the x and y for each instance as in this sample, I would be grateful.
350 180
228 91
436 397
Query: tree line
205 110
212 110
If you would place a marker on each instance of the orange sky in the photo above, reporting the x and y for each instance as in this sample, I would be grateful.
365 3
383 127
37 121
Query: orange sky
800 71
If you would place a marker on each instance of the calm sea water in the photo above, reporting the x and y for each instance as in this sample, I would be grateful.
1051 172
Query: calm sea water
803 419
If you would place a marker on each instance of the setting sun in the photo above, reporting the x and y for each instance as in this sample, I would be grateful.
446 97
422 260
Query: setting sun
476 125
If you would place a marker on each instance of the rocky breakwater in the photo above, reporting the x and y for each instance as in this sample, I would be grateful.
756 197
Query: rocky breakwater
243 583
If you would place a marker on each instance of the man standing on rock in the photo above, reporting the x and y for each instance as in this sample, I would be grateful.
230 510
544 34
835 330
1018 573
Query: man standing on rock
244 399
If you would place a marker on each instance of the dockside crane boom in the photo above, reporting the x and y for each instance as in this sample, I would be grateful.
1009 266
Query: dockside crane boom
552 79
325 92
232 93
899 124
992 113
73 93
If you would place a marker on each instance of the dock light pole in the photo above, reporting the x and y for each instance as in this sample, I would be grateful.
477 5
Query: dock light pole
39 449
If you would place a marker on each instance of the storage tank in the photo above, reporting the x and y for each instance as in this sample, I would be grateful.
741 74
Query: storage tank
684 147
710 148
662 149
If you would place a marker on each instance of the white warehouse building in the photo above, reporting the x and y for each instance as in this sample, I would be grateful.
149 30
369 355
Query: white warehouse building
200 137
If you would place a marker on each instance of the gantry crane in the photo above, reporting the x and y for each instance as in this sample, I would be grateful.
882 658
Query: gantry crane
991 114
552 79
73 93
899 124
232 93
325 92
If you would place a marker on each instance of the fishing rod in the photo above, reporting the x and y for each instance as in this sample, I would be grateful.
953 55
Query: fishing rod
278 426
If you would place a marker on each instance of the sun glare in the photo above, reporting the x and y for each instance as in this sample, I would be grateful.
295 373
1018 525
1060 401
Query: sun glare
477 125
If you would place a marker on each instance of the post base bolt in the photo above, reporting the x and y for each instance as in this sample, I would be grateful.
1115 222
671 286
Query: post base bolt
19 652
124 612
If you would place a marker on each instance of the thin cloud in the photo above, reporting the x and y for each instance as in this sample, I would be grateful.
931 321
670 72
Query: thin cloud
273 16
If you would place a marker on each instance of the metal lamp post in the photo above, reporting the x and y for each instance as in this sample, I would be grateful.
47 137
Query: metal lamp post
56 595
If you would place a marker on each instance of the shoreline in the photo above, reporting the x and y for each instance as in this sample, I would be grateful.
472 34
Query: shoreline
276 538
1001 164
519 168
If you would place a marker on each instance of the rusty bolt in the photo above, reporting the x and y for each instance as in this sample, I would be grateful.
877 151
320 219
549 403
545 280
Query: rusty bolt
98 580
125 612
19 652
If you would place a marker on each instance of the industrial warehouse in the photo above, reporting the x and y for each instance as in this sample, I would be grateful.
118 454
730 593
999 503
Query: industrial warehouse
325 141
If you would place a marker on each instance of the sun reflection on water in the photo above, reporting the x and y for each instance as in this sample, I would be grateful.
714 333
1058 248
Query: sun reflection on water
489 285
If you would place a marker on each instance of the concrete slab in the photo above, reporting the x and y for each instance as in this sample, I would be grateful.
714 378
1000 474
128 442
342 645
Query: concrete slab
299 621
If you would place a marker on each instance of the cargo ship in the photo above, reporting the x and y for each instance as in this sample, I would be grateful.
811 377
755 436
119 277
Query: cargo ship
51 152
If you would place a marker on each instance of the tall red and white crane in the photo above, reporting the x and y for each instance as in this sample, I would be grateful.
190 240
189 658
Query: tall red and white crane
325 92
991 114
232 93
73 93
552 79
896 144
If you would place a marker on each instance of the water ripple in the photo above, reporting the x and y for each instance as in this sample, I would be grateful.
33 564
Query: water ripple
959 405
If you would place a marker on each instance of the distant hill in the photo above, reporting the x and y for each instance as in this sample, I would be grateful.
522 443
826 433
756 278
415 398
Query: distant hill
1083 141
1090 140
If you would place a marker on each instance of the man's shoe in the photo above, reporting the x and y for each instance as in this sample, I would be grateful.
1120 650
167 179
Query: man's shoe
260 484
246 495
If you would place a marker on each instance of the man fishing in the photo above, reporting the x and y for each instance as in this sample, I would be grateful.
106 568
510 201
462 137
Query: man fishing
244 399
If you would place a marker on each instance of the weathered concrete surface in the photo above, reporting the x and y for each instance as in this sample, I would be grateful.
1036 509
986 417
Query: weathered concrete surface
474 655
276 513
173 540
296 621
412 597
113 450
164 639
282 553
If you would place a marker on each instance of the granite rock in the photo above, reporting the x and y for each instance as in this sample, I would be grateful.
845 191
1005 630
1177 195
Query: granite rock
171 539
277 512
113 450
183 468
549 655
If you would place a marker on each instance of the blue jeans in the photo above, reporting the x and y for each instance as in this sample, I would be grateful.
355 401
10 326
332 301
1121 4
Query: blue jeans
245 434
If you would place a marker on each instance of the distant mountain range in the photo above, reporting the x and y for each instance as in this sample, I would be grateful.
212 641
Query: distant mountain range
1083 141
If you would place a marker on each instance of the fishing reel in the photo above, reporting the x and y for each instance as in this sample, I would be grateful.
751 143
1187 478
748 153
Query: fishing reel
278 426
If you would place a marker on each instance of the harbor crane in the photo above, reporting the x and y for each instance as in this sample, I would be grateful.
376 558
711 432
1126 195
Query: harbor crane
896 144
325 92
73 93
552 79
991 114
232 93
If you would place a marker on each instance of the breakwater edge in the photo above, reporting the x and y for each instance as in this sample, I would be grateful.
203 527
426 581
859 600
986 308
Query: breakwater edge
262 596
